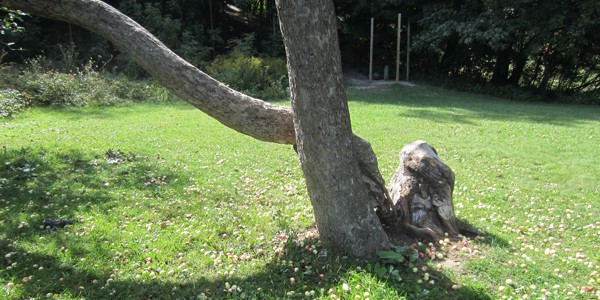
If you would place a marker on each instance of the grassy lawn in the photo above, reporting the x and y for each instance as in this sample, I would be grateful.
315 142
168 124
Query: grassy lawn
169 204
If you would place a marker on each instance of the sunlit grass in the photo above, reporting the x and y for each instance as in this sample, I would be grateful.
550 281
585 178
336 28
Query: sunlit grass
526 173
171 204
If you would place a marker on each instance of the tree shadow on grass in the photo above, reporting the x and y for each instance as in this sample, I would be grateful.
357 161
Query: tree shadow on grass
40 184
37 185
271 282
483 237
466 108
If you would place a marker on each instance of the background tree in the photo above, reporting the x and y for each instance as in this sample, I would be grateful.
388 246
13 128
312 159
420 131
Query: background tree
518 42
549 46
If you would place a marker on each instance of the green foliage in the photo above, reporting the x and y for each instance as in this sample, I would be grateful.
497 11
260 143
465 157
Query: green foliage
547 45
194 47
8 76
259 77
68 57
39 84
11 102
149 14
190 40
400 255
521 94
124 65
11 20
140 90
10 24
589 97
273 46
243 46
550 45
396 261
505 91
81 88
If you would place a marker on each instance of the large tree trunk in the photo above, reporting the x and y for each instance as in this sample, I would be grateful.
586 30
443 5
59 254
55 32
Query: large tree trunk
546 75
342 176
344 215
519 66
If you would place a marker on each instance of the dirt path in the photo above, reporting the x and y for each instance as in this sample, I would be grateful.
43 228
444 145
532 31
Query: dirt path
361 81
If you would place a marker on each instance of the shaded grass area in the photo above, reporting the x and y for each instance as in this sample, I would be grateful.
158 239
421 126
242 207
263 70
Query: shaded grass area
169 204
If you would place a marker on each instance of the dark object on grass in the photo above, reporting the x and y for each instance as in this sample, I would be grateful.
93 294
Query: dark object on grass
53 224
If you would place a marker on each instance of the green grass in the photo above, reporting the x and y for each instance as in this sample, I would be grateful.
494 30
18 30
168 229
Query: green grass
172 205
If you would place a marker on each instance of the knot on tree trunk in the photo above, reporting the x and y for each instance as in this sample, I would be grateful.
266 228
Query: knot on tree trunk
421 191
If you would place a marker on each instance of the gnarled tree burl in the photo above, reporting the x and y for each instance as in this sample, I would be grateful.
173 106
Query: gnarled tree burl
347 192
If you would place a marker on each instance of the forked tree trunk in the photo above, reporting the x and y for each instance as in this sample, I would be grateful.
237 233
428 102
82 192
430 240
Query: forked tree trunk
342 176
325 143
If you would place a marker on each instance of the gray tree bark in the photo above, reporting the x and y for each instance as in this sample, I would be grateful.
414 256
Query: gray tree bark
335 161
342 176
344 215
240 112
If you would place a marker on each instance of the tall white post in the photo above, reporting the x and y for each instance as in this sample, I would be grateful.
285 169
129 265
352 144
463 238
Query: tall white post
408 50
398 47
371 51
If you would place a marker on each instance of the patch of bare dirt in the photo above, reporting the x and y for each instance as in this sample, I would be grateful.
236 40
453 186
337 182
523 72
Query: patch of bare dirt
361 81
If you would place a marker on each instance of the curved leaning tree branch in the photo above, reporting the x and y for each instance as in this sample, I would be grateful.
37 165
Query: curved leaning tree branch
333 158
235 110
